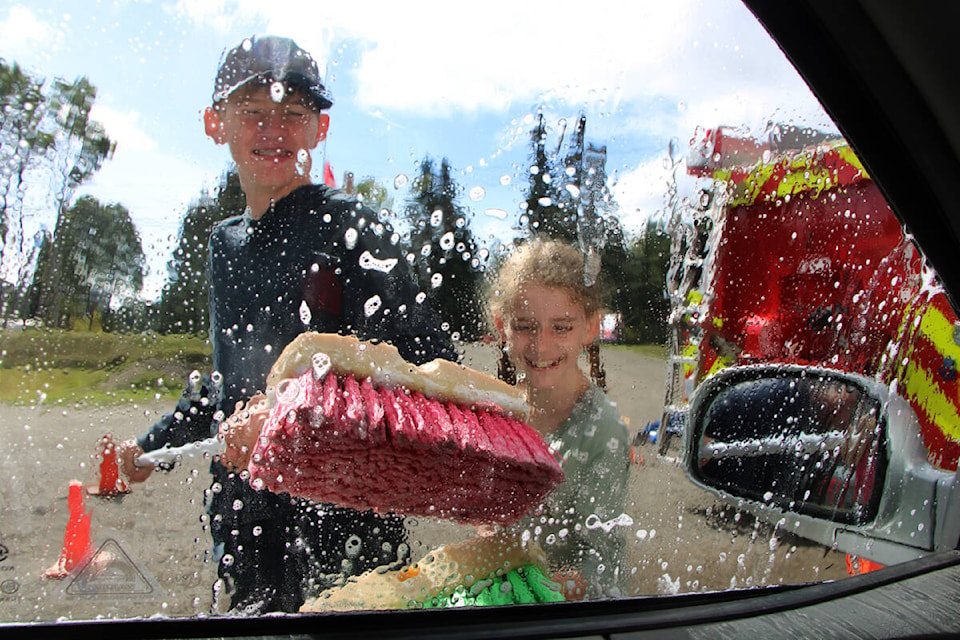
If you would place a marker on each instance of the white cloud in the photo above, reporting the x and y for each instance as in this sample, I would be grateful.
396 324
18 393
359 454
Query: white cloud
432 58
26 38
220 15
123 128
642 193
428 58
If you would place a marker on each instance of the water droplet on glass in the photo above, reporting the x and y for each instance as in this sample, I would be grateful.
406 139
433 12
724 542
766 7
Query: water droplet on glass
436 280
477 193
305 315
367 261
504 180
303 162
276 92
446 241
400 181
436 218
321 365
350 238
353 546
372 305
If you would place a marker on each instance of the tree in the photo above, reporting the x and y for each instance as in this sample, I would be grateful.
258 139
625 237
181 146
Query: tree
98 255
645 303
542 206
569 200
184 301
374 195
46 138
23 145
444 250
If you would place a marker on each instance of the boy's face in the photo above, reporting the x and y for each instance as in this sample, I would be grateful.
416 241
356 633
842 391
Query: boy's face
270 141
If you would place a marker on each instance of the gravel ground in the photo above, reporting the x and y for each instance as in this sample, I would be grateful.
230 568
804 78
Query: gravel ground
681 539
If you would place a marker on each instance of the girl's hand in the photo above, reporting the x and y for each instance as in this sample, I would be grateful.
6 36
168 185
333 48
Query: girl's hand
241 430
437 574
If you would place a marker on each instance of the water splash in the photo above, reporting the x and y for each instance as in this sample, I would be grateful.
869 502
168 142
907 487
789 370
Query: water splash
305 315
372 305
367 261
350 238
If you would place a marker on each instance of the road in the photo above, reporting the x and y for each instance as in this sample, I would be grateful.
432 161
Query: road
681 540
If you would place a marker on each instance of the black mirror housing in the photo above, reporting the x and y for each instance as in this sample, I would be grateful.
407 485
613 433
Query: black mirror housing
831 456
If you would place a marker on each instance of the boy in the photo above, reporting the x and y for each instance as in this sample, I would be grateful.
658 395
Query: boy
298 259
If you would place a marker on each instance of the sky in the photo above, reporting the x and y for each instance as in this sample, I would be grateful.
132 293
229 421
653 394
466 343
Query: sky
414 79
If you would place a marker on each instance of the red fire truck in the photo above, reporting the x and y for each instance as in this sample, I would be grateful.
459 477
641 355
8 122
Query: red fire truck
763 271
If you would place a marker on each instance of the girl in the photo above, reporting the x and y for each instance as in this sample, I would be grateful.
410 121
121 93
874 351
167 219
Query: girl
547 316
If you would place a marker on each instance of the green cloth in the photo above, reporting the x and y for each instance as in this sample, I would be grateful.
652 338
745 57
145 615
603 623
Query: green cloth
524 585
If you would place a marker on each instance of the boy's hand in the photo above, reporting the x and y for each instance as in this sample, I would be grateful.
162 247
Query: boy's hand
127 453
241 430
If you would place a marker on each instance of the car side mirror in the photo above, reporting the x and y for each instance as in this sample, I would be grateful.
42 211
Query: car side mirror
834 457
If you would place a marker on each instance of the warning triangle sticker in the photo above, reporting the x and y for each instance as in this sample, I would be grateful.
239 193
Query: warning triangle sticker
110 571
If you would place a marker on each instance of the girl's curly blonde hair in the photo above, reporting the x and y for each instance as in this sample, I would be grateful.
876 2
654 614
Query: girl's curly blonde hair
547 263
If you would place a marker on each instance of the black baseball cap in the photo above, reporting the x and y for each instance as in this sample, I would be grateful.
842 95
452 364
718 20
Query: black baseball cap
270 59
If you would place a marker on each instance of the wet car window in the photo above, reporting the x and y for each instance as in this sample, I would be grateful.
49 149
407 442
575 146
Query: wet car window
762 392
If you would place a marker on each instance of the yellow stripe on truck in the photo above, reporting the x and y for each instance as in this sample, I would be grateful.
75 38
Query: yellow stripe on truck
921 387
939 331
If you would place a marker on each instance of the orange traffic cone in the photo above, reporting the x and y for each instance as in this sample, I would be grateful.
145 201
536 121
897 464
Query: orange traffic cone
76 539
111 484
857 566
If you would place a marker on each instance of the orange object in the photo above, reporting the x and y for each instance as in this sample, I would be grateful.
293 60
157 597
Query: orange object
111 484
858 566
572 584
408 572
76 538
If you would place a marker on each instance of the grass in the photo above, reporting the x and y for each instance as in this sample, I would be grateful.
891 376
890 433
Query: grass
53 366
659 351
100 369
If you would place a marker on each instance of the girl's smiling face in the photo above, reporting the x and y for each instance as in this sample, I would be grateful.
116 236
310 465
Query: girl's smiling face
545 331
